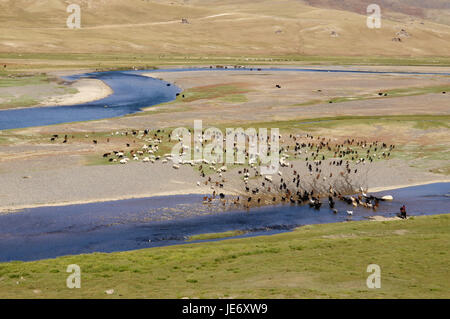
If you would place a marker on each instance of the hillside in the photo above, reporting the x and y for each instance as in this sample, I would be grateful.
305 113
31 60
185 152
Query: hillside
434 10
235 27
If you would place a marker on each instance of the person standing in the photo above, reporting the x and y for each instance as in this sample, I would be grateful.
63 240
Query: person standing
403 212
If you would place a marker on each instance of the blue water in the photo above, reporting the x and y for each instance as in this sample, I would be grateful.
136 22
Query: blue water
48 232
132 92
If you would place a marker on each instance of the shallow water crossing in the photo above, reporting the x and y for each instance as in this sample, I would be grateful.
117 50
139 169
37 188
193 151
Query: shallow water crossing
48 232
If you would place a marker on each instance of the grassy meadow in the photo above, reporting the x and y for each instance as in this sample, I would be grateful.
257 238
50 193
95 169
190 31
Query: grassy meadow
316 261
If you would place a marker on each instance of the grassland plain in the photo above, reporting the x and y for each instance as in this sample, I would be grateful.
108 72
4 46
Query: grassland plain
421 139
412 91
317 261
34 62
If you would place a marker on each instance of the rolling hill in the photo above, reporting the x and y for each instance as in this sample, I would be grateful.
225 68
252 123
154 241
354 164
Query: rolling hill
226 28
434 10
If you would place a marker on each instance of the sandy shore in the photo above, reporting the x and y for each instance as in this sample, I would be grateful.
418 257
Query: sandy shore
193 191
89 184
48 185
88 90
12 209
386 188
383 219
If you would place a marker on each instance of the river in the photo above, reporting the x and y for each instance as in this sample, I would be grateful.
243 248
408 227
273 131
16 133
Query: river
132 91
48 232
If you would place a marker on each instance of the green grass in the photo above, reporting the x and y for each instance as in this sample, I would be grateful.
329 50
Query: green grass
23 80
317 261
10 99
418 90
69 90
234 98
159 109
13 136
308 103
227 234
95 160
312 124
412 91
21 101
369 60
422 122
436 152
231 92
408 151
423 155
445 170
127 61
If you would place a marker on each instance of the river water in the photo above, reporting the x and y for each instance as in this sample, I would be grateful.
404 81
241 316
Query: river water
48 232
132 92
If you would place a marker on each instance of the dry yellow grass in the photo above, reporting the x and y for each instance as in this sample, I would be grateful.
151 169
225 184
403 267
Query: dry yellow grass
231 28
